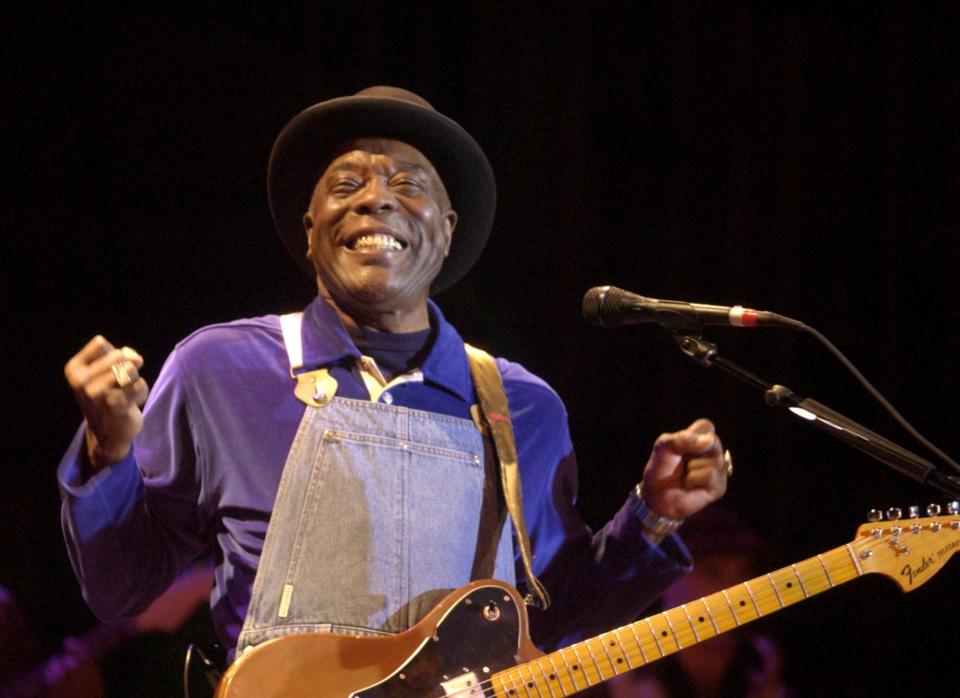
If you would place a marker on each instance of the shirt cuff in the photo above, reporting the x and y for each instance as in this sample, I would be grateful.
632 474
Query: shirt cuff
105 496
672 546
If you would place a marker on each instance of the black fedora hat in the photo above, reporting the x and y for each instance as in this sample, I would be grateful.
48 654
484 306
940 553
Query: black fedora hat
306 144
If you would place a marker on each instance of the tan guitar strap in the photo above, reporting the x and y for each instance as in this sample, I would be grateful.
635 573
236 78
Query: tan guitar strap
496 416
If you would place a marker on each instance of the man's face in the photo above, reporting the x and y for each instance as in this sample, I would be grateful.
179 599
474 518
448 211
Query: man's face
378 228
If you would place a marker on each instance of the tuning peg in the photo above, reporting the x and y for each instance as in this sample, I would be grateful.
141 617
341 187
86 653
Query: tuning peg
874 515
933 510
914 511
954 507
894 513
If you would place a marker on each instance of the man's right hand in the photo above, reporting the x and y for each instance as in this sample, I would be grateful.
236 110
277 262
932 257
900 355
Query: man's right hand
107 384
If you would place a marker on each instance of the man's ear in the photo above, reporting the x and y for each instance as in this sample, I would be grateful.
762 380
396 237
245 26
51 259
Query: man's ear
450 219
307 228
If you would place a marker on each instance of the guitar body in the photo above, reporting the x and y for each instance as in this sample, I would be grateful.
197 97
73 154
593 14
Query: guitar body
474 632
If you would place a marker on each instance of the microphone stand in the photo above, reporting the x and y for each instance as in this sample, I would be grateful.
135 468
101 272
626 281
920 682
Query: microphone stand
830 421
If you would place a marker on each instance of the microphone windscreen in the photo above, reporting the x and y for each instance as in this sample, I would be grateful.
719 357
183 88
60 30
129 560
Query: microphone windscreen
603 305
592 300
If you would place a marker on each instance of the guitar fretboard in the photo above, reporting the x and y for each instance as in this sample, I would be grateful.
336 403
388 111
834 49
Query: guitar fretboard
593 661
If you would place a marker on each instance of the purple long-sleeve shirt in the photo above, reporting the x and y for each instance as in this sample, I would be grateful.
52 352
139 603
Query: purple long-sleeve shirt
204 472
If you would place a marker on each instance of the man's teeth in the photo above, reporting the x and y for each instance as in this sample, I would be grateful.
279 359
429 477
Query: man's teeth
377 241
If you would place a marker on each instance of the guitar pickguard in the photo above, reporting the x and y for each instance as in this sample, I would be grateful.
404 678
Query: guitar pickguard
479 635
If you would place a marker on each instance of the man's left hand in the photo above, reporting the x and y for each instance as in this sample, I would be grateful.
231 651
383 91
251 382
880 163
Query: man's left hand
686 471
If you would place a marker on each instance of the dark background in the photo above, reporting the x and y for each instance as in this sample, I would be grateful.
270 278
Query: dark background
803 158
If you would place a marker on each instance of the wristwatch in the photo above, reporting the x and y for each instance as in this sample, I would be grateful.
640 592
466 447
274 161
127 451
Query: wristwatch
652 521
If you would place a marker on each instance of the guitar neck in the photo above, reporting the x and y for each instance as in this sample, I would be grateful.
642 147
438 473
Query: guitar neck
593 661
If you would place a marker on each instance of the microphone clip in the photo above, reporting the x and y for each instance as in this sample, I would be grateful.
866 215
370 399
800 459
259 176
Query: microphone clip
698 349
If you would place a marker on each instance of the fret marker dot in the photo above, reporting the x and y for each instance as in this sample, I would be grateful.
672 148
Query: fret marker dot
530 685
700 619
789 585
619 660
553 677
743 603
663 633
576 668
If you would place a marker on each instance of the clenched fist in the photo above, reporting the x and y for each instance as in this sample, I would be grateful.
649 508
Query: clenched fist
686 471
106 382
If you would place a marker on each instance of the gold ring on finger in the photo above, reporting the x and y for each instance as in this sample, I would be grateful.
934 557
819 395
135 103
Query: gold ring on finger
728 462
121 375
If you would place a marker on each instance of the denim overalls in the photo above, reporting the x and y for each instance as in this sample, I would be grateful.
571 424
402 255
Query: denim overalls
377 517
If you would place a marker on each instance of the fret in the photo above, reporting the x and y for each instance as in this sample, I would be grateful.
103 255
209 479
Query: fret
585 668
760 588
625 651
841 568
814 579
663 634
746 585
507 692
690 621
559 674
825 570
516 683
643 655
547 676
573 671
615 652
790 590
539 677
733 611
709 614
745 612
528 682
800 580
773 583
601 659
856 563
666 617
721 615
653 632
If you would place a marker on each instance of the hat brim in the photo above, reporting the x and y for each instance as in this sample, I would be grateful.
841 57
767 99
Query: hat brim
306 144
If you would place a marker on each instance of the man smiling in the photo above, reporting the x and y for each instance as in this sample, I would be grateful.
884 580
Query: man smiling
333 461
378 228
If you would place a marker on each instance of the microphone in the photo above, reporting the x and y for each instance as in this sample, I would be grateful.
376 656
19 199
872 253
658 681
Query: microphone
609 306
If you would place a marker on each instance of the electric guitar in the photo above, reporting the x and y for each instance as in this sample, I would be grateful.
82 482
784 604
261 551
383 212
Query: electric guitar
476 643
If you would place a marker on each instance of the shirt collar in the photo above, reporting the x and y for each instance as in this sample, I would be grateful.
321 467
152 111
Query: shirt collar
326 341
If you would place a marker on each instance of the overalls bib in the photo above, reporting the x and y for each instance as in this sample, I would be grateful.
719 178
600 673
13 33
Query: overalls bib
380 512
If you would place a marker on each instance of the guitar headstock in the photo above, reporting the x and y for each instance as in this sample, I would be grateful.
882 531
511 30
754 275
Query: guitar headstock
909 551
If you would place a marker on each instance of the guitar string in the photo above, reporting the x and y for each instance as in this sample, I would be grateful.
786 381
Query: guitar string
840 561
766 595
882 552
